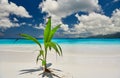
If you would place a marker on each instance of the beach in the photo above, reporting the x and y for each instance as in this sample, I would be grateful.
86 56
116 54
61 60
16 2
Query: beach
78 61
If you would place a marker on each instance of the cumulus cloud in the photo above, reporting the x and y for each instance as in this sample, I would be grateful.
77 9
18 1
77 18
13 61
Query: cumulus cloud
96 24
116 18
10 8
92 24
62 8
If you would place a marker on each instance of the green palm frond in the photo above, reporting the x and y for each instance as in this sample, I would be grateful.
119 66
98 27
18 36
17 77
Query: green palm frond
52 33
41 53
47 30
54 46
59 48
26 36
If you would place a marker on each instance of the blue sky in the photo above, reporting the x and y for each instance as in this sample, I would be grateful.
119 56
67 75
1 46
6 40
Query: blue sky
79 18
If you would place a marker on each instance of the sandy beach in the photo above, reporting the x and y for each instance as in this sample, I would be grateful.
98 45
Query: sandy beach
78 61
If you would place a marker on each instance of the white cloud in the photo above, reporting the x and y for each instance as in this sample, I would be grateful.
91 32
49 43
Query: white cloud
40 26
116 0
116 18
62 8
10 8
96 24
13 9
6 23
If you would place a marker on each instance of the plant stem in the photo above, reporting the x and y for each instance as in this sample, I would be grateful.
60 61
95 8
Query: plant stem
45 57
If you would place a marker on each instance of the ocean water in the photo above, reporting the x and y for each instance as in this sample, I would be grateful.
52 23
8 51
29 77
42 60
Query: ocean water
65 41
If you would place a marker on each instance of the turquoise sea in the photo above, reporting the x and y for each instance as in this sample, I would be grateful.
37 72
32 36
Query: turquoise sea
64 41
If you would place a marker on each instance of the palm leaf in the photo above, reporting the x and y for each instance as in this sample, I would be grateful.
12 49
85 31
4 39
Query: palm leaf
53 32
54 46
59 48
47 30
40 54
26 36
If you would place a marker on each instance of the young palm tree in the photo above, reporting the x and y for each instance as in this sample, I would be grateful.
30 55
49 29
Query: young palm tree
48 44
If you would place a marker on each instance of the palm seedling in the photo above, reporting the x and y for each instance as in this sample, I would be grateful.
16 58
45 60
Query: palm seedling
48 44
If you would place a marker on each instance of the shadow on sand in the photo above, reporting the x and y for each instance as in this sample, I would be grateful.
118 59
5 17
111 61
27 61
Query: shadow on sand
43 74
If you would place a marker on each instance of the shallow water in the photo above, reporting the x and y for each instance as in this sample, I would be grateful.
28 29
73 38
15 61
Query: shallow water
64 41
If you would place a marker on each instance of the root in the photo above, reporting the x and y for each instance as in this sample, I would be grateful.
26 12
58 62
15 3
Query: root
48 73
47 70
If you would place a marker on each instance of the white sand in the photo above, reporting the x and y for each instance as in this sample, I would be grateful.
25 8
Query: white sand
79 61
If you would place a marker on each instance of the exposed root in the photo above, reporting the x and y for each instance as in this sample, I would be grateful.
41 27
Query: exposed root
47 70
48 73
